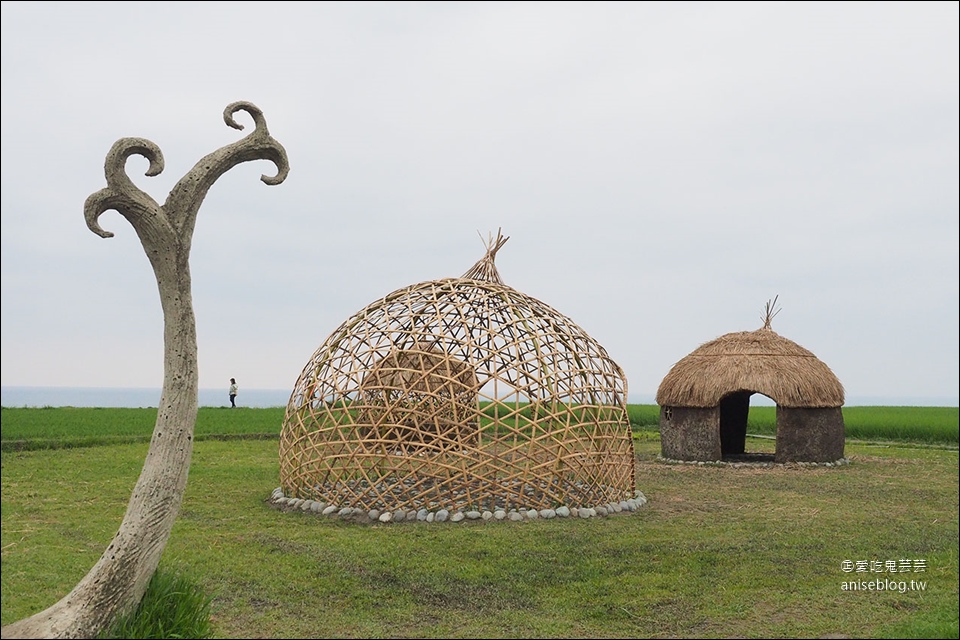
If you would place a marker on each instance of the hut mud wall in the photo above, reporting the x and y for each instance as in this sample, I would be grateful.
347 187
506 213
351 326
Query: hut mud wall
809 435
690 433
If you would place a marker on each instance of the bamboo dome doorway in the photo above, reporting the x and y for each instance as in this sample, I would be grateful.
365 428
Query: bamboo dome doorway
458 394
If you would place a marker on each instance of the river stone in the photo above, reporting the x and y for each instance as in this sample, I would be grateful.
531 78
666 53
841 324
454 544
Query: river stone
373 514
457 517
442 515
515 516
563 511
486 515
548 513
499 514
385 517
473 515
532 514
430 516
422 515
330 509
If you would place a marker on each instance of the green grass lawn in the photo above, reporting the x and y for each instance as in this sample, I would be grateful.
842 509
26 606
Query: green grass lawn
717 552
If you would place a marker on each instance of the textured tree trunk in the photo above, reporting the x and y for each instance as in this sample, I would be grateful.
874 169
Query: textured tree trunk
119 579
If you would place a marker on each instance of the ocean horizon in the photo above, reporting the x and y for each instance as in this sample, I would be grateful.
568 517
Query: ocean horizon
132 397
138 397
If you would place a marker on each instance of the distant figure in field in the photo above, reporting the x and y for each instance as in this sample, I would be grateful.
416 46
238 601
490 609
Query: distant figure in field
233 393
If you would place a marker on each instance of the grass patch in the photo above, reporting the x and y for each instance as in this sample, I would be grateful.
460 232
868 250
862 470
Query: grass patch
717 552
173 606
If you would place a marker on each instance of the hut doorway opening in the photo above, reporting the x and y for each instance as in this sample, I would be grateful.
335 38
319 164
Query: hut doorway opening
734 412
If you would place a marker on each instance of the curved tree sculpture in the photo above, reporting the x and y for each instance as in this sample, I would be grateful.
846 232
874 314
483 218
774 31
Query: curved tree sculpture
119 579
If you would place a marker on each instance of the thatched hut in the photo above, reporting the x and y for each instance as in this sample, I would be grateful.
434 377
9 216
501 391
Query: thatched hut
705 399
459 394
419 395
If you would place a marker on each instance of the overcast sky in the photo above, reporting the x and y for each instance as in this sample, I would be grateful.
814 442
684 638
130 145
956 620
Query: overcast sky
662 171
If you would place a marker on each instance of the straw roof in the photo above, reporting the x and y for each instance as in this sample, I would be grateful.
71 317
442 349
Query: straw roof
421 369
761 361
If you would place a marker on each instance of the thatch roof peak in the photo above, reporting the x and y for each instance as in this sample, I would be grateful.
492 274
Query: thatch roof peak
769 312
761 361
485 269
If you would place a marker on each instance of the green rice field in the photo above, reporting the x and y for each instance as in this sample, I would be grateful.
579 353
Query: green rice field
58 427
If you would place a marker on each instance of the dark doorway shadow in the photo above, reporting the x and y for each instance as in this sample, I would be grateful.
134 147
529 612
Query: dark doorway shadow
734 410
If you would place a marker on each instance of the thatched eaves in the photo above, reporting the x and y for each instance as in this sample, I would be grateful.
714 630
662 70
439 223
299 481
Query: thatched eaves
761 361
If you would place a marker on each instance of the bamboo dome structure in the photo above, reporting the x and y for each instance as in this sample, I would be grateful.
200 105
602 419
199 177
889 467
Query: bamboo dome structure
705 398
459 394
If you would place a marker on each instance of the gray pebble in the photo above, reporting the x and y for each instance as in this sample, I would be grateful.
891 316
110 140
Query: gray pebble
548 513
473 515
457 517
515 517
373 514
563 511
385 517
442 515
499 514
330 509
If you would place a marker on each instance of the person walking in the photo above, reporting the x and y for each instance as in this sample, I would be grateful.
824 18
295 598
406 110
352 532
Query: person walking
233 393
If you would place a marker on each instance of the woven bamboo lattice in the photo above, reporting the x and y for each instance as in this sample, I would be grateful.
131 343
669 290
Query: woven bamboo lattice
460 393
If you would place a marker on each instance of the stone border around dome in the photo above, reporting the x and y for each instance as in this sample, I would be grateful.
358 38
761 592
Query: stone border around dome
756 465
374 516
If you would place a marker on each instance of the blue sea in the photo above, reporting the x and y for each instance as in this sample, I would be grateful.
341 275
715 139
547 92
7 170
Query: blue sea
260 398
131 397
